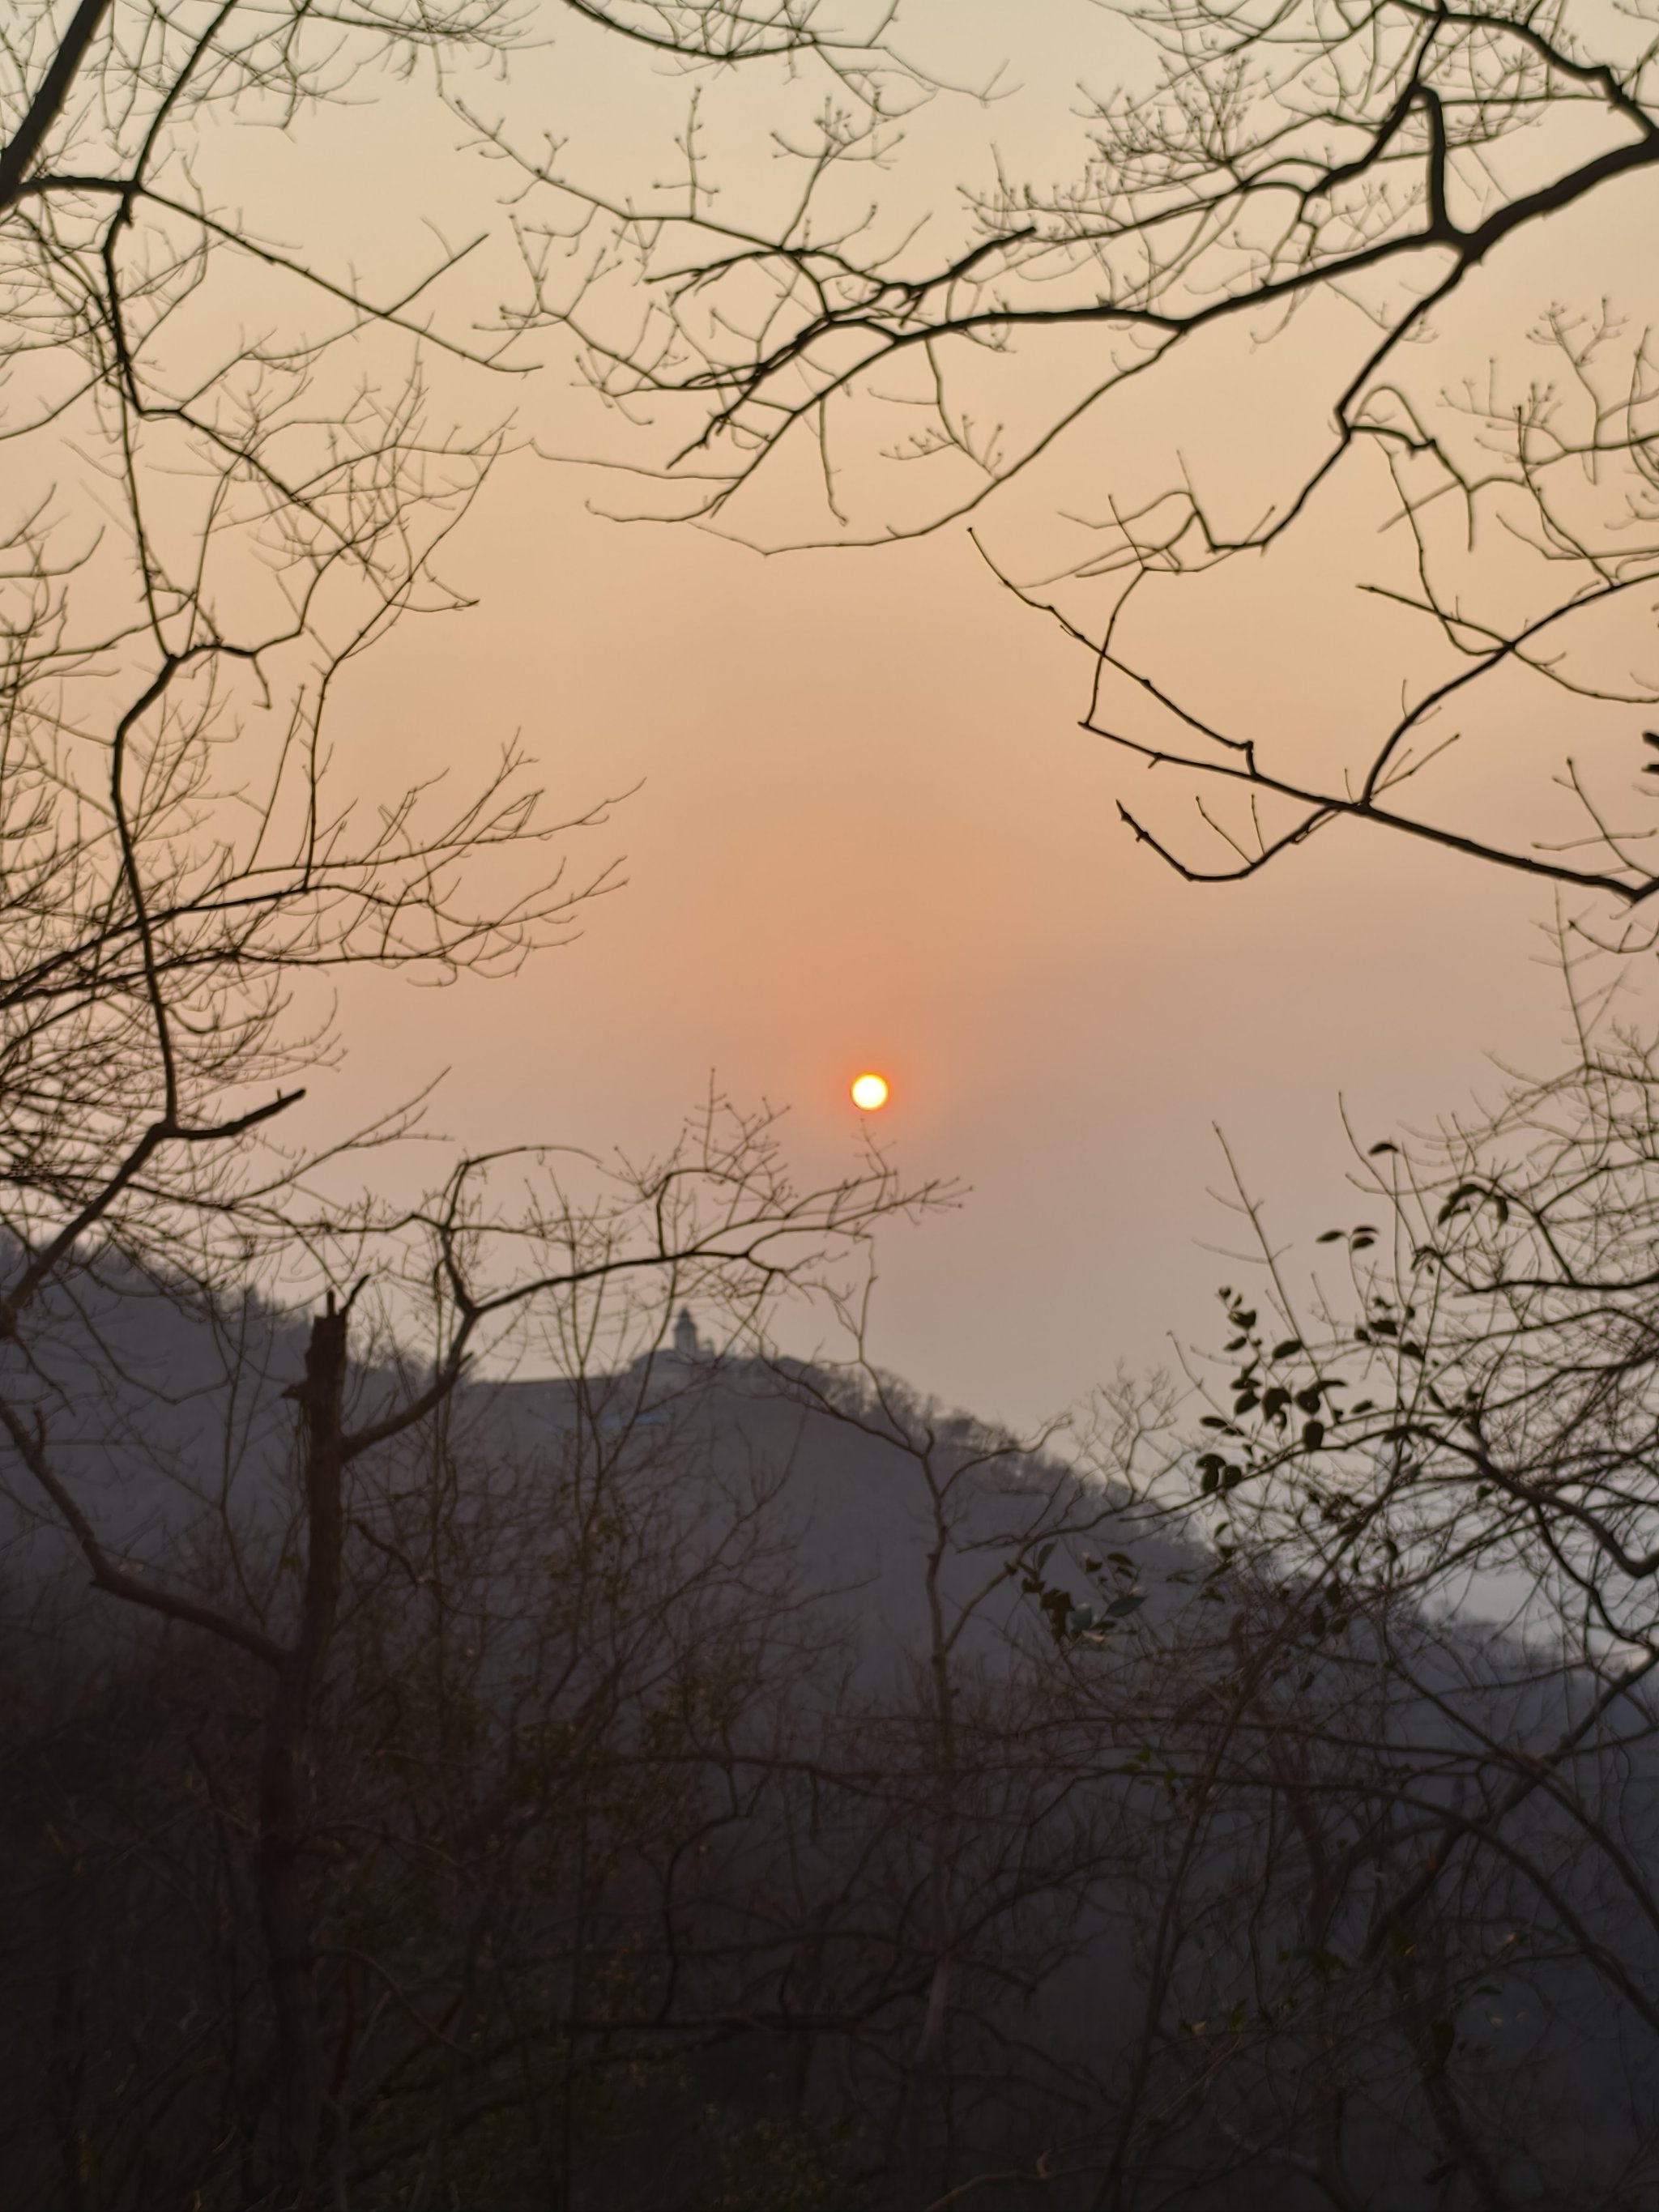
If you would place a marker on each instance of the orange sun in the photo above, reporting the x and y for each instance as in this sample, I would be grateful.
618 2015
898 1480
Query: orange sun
869 1092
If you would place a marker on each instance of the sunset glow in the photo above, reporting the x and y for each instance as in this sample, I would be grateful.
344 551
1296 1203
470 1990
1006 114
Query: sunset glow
869 1092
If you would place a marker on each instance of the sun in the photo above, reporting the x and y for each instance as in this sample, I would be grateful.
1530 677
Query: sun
869 1092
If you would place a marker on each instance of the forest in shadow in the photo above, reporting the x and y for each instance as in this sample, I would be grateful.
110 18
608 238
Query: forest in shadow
734 1783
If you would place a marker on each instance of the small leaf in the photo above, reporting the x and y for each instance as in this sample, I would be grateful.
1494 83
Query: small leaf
1313 1435
1329 1237
1459 1199
1387 1145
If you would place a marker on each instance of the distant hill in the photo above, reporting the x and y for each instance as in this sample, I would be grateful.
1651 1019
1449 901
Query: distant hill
848 1789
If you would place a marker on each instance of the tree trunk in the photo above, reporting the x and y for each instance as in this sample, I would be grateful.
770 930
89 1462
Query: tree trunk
284 1774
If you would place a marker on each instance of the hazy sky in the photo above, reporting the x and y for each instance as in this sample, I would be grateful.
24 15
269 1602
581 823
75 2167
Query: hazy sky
868 832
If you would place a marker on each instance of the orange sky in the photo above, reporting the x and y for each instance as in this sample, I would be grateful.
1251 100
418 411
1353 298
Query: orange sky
868 832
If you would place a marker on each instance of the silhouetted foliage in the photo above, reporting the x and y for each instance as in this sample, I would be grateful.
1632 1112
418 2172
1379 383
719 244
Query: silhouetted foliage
700 1777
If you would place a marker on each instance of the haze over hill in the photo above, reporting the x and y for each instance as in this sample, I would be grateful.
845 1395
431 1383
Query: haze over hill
701 1719
528 1683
